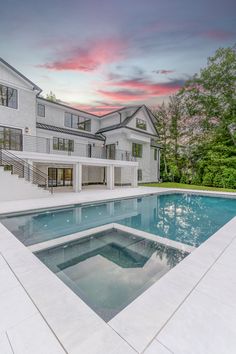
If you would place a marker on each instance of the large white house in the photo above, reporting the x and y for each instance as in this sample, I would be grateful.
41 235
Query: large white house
71 148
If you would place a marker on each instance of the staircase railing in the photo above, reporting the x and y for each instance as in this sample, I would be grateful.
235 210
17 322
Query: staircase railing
24 170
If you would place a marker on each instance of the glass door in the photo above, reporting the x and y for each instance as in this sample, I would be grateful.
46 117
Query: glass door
68 177
60 177
52 177
111 151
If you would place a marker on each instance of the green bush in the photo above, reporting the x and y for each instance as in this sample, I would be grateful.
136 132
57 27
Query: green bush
208 179
218 180
229 178
196 180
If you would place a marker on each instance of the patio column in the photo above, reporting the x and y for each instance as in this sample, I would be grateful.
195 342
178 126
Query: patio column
110 177
77 177
134 182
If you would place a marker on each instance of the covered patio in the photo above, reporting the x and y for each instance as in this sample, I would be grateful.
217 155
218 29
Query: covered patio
72 173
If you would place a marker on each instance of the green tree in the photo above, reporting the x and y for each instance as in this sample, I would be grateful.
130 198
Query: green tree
51 97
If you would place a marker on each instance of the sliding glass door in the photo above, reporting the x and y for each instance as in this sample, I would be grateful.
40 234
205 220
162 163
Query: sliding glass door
60 177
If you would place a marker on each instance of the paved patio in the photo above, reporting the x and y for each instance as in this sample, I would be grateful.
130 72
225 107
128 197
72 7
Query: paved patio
191 310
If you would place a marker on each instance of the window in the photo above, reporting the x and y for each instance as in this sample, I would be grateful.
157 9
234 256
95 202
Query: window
10 138
140 175
58 177
141 124
8 97
41 110
63 144
137 150
77 122
111 151
155 153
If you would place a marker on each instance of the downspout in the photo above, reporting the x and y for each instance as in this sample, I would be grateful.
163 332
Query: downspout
104 170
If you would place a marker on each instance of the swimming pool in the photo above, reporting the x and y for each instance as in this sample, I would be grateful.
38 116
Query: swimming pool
110 269
186 218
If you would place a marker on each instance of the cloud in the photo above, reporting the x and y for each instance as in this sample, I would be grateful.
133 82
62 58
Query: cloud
163 72
218 34
90 57
139 89
99 109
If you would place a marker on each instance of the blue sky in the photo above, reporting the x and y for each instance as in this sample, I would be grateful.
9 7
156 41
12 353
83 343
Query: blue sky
100 55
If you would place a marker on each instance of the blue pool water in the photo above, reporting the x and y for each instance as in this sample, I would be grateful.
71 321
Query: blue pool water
186 218
110 269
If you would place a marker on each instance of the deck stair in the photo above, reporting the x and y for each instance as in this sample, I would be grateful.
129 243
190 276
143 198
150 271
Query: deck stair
21 180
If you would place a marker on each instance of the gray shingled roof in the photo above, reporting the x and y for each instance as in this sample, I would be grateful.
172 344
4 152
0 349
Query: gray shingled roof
68 131
127 120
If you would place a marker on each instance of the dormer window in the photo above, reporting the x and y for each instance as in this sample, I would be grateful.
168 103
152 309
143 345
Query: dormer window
8 97
77 122
141 124
41 110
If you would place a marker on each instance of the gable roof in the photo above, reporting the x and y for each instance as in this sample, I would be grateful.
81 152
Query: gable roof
119 110
35 87
66 106
128 119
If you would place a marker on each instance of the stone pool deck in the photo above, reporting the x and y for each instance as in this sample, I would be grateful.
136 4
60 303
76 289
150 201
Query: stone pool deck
191 310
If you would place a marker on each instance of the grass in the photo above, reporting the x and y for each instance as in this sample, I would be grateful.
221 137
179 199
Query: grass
187 186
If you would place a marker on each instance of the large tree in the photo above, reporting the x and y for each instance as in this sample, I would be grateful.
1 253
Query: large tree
202 124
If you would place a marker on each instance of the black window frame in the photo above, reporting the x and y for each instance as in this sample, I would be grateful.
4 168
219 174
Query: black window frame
74 121
8 137
155 154
137 150
141 124
53 177
61 144
7 99
139 174
38 110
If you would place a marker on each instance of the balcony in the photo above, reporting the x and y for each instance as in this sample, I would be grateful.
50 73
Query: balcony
45 145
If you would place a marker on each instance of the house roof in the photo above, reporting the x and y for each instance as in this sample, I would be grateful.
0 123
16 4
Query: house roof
66 106
68 131
35 87
128 119
119 110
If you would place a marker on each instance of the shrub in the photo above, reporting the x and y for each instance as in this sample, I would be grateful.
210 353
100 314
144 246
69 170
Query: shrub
208 179
229 178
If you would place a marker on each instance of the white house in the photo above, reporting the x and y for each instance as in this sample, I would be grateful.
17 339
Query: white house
71 148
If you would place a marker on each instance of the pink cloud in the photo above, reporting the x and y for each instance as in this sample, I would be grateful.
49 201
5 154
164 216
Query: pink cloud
218 34
99 109
138 89
90 57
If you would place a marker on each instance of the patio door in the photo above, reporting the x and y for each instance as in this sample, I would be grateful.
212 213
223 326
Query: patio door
111 151
60 177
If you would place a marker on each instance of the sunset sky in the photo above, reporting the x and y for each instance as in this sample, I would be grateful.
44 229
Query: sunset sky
102 54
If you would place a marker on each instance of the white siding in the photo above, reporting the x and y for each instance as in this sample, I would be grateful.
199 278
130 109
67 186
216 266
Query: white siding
55 115
24 115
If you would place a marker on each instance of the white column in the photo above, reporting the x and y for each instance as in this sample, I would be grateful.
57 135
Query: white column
77 177
135 177
110 177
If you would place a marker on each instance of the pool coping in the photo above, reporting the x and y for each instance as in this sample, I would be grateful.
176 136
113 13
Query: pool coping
37 247
135 328
45 204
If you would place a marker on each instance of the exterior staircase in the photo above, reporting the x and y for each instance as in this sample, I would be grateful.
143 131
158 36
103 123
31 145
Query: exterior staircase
20 180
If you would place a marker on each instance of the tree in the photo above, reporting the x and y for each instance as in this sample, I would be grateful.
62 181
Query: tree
51 97
198 125
210 97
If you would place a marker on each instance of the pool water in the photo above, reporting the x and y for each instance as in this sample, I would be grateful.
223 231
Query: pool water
110 269
185 218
